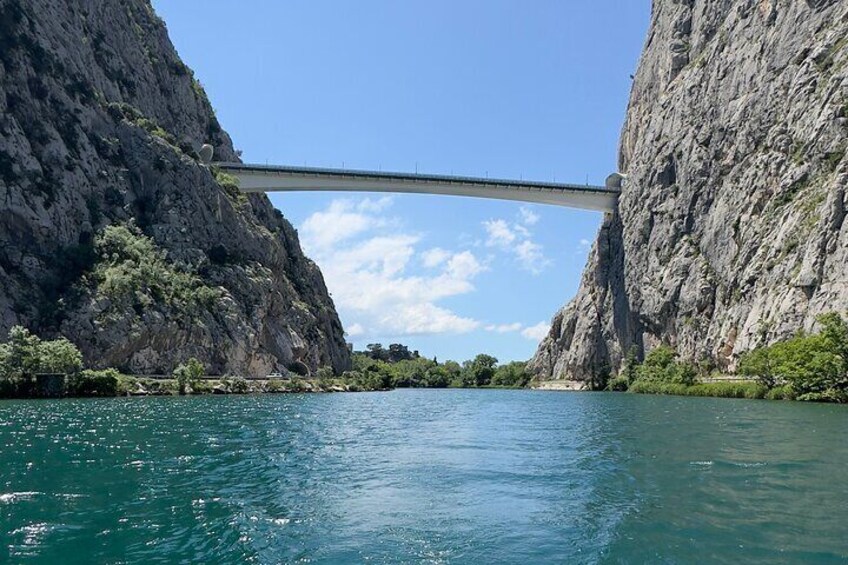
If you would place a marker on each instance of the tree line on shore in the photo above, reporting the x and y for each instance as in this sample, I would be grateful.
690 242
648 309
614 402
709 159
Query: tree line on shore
396 367
811 367
26 361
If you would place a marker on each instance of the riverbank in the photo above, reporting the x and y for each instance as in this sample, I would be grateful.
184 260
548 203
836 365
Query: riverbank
109 384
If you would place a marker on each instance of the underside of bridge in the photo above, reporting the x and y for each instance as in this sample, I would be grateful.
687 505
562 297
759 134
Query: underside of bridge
265 178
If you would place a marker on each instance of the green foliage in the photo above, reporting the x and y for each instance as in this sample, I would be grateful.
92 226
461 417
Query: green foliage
236 385
619 384
396 367
512 375
230 184
816 366
123 111
275 386
661 365
759 364
19 357
829 395
60 357
25 355
188 374
631 364
783 392
369 380
394 354
722 390
132 272
325 373
480 370
95 383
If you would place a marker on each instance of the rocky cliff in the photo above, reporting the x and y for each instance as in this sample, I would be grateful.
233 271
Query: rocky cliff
111 233
730 231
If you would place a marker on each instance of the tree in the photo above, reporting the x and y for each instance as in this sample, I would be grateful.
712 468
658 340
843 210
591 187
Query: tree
481 370
437 377
376 351
188 373
59 356
512 374
661 364
631 364
835 335
325 373
398 352
21 356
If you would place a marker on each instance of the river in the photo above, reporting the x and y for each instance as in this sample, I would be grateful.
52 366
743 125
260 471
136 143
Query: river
427 476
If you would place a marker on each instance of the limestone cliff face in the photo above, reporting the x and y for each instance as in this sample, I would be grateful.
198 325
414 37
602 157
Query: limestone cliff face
730 231
99 123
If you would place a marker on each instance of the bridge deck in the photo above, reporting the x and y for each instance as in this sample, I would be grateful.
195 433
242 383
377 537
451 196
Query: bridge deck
265 178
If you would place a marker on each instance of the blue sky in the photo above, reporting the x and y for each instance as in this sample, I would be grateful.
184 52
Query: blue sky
508 89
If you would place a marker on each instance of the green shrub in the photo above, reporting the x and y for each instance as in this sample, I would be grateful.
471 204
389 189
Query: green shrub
188 374
511 375
661 365
325 373
133 273
749 390
729 390
236 385
95 383
202 387
25 355
644 386
619 384
784 392
275 386
815 365
830 395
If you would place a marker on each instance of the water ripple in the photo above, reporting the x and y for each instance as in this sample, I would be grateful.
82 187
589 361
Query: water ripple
422 477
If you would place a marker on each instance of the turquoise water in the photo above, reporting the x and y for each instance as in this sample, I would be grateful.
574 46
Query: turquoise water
423 476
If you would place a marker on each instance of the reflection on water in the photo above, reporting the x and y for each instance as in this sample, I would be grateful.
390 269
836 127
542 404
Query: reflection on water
423 476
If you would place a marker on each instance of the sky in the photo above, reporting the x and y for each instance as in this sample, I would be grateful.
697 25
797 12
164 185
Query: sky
501 88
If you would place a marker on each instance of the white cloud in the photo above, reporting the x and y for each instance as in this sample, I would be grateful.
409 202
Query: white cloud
341 221
531 257
464 266
504 328
537 332
355 330
434 257
517 240
373 205
528 216
368 267
500 234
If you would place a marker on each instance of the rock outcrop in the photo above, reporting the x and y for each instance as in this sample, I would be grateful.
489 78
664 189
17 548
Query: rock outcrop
100 122
731 227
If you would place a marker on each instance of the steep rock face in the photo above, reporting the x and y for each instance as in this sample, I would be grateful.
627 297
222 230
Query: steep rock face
730 231
99 123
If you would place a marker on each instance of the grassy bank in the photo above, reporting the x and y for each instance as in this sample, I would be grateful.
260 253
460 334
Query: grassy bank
719 390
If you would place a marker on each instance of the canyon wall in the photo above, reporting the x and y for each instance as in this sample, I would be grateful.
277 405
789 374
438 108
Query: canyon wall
730 230
112 233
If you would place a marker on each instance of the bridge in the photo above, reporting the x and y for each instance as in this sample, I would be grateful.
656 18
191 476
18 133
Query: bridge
266 178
